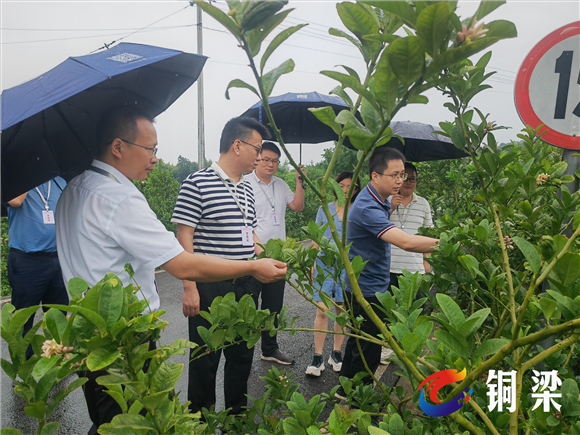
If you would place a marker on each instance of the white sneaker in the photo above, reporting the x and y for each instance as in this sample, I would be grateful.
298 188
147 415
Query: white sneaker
386 353
335 360
316 366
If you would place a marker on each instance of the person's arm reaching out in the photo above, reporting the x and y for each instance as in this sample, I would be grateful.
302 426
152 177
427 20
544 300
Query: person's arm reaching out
17 202
298 203
407 242
190 294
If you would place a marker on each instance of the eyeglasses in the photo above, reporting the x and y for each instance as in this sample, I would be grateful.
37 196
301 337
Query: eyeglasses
258 148
411 180
402 176
153 150
267 161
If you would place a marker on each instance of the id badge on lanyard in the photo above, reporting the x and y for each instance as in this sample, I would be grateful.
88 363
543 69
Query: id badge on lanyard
47 215
247 236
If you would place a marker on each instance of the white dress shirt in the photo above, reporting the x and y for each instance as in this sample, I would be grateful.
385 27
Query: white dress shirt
276 193
103 222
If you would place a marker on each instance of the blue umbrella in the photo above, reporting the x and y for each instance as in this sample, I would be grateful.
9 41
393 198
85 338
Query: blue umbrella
48 123
295 122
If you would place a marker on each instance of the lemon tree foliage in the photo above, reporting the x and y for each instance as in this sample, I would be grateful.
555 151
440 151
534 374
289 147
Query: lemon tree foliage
507 269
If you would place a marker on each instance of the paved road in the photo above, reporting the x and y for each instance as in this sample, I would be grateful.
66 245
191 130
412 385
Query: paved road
72 411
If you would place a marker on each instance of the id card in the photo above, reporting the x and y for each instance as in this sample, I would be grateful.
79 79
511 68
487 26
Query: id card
48 217
247 236
275 220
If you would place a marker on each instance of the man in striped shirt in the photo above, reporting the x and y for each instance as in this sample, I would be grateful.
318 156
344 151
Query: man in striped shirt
216 216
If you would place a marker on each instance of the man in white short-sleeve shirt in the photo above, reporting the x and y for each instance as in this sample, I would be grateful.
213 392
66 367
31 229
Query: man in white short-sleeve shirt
272 196
103 222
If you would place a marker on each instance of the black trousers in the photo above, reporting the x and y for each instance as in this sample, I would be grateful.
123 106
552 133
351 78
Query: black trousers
102 407
352 361
272 299
35 278
203 370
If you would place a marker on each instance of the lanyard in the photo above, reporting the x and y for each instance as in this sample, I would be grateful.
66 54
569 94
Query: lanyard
235 196
406 215
273 201
45 201
103 172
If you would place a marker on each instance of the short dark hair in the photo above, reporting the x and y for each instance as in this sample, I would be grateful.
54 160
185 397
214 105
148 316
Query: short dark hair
409 165
118 122
380 158
343 176
240 128
271 146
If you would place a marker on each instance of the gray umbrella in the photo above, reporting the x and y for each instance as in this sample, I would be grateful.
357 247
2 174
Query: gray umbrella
421 144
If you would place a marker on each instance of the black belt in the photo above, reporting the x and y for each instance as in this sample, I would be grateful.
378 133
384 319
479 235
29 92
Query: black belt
36 254
239 280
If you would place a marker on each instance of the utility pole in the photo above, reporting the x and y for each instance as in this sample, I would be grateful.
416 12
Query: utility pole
200 123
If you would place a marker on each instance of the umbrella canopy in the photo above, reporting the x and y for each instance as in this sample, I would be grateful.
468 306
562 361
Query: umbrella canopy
296 123
421 144
48 123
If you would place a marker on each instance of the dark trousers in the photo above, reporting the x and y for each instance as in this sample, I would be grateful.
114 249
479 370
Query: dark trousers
102 407
203 370
35 278
273 300
352 361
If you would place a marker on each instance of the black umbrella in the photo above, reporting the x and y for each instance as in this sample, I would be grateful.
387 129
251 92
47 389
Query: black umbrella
48 123
421 144
295 122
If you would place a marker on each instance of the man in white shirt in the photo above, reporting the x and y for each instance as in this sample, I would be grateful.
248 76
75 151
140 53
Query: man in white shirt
103 222
272 197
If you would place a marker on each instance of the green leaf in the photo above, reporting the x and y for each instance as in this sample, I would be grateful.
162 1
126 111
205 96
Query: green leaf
529 251
220 17
102 357
269 79
451 310
132 422
457 137
548 306
50 428
262 30
46 383
487 7
432 24
77 287
401 9
411 343
237 83
10 431
8 368
341 34
327 116
489 347
359 136
88 314
111 302
450 342
338 191
20 317
43 366
360 22
386 84
56 323
36 410
278 39
568 307
119 398
396 425
566 269
456 55
343 95
501 29
406 57
349 81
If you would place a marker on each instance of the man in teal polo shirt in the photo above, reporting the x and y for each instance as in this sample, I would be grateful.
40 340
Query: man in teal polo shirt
371 233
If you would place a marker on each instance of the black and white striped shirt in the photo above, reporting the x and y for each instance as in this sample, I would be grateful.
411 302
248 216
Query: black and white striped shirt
206 204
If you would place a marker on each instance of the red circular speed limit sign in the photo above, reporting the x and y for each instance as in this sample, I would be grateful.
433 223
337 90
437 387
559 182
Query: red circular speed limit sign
548 87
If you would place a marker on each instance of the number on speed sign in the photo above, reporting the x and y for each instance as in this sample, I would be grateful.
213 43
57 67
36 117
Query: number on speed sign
548 87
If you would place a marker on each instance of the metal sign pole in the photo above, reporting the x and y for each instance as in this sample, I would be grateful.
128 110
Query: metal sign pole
200 123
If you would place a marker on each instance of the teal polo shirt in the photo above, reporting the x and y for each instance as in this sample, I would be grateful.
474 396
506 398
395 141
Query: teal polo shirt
368 220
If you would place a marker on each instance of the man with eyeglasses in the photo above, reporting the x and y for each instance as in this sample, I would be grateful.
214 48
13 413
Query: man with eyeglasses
216 216
371 232
272 197
104 222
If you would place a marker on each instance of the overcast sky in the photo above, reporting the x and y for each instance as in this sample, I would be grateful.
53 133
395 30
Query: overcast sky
38 35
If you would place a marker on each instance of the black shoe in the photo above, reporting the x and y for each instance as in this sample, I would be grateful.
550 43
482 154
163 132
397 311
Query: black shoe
340 394
278 357
335 360
316 367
